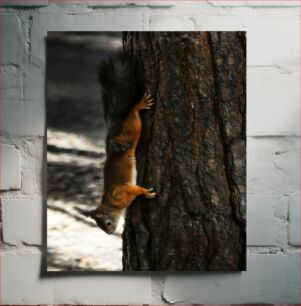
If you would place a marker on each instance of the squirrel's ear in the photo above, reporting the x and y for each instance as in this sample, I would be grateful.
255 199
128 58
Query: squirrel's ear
92 214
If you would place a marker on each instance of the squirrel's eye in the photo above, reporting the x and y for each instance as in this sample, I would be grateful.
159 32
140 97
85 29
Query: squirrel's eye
109 222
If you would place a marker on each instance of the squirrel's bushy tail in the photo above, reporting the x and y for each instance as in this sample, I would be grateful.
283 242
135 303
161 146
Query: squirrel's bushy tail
122 87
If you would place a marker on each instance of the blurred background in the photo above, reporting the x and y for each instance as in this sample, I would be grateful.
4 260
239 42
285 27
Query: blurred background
76 153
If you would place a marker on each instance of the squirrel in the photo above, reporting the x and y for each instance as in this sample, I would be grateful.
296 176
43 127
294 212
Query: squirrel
119 79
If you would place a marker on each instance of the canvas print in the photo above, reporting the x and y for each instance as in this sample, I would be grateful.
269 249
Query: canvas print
146 151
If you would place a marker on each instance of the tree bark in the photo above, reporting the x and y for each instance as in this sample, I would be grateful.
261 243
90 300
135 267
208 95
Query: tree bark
192 151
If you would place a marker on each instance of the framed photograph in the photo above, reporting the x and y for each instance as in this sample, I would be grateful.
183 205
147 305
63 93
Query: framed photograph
146 151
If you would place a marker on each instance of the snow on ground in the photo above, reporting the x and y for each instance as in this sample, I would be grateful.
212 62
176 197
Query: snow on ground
74 242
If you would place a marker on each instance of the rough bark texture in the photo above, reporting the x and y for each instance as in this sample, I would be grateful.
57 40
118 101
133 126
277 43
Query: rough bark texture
192 151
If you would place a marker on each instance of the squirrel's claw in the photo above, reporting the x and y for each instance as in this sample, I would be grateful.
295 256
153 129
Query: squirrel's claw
146 102
150 194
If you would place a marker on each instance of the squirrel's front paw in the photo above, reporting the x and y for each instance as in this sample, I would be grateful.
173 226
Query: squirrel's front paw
149 194
146 102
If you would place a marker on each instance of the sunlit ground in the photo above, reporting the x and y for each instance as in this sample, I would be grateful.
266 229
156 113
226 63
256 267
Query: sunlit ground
74 242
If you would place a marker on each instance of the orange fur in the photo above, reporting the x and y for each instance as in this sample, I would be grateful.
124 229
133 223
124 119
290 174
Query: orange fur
119 191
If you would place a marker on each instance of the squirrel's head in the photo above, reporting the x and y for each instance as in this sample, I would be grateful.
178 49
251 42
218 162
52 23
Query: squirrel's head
107 223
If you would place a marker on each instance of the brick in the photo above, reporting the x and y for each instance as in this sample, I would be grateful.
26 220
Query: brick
159 3
131 290
22 221
157 287
208 22
109 4
260 221
32 170
269 279
170 23
13 45
294 221
273 165
286 161
280 208
22 284
34 101
12 101
23 102
89 22
26 118
24 3
13 116
141 3
274 37
33 166
247 3
273 88
99 3
11 77
10 161
22 107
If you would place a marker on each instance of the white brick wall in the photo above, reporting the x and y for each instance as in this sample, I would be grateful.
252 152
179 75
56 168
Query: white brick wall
294 220
14 45
270 279
20 214
24 3
10 172
273 150
22 284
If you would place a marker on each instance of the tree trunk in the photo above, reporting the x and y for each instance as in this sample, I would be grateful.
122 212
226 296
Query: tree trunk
192 151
